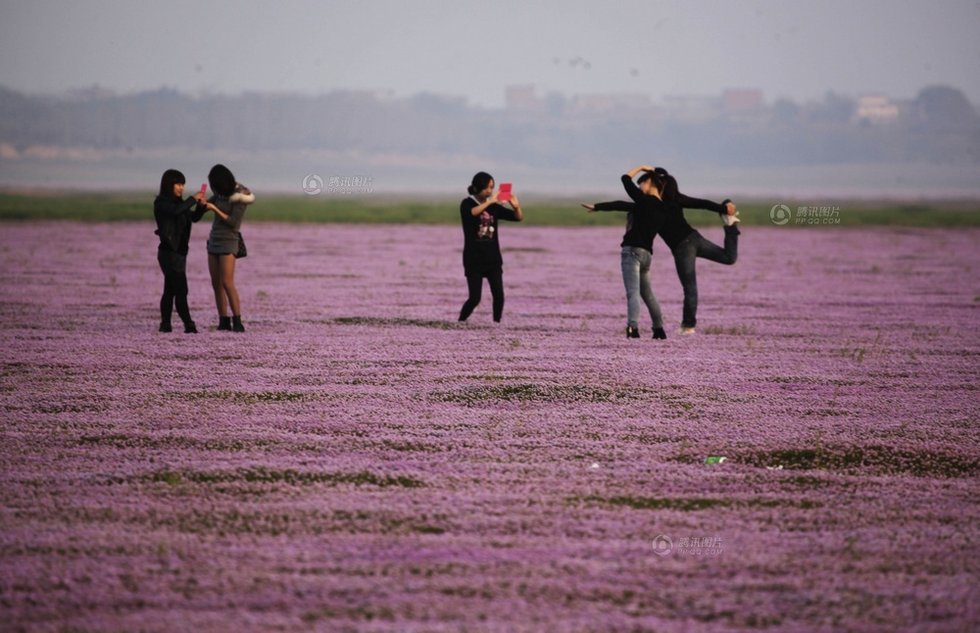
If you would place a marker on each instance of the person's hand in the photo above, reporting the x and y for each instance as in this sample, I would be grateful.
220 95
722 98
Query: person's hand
590 207
648 168
730 208
493 198
199 196
514 202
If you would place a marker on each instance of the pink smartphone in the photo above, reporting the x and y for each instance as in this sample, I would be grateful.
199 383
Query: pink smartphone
204 188
505 191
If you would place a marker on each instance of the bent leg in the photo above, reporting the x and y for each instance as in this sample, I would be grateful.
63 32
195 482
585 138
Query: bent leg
715 253
474 284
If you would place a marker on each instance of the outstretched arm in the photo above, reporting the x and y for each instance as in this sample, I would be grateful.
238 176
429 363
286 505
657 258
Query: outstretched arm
615 205
688 202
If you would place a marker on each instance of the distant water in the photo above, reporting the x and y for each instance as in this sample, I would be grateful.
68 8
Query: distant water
361 175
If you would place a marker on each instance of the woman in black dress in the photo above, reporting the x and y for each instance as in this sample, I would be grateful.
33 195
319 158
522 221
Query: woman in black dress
174 216
479 214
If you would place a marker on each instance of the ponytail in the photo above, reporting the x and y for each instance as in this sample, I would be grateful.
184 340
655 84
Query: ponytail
480 181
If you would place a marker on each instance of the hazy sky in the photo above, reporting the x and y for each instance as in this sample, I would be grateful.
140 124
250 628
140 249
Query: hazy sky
798 50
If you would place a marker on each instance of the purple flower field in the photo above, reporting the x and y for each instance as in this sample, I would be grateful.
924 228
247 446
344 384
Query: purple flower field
357 460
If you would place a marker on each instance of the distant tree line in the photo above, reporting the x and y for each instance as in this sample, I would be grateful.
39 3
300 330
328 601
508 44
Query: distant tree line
940 125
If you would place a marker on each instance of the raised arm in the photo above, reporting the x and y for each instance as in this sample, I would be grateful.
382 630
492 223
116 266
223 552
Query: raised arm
173 208
631 189
199 211
518 211
211 206
483 206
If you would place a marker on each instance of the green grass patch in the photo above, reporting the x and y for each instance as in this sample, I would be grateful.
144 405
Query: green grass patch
246 397
288 477
530 392
397 321
691 504
867 460
97 206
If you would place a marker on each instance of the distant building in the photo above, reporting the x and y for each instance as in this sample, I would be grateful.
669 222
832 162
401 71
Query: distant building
876 109
742 101
523 98
692 108
599 103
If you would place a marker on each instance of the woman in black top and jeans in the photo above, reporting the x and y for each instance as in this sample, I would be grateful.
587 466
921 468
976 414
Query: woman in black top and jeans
647 212
479 214
174 216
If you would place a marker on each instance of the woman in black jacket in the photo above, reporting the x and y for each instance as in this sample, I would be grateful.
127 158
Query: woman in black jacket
479 214
686 244
174 216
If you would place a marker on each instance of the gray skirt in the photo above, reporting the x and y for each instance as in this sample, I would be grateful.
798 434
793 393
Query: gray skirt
222 244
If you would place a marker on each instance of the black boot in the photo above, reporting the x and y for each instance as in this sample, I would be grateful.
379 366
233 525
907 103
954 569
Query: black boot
165 327
632 332
658 333
236 324
224 324
190 327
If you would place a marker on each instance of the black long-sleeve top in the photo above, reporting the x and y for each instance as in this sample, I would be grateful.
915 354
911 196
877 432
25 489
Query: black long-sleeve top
174 217
481 247
647 215
674 227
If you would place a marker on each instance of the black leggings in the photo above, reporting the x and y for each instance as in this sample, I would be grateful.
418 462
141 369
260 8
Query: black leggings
474 280
174 267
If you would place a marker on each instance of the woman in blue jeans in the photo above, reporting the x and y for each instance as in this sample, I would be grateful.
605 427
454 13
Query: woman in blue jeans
645 215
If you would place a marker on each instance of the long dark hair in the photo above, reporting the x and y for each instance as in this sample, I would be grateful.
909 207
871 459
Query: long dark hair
666 183
480 182
170 178
222 181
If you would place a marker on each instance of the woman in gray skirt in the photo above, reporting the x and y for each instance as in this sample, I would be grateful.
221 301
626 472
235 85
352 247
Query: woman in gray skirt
228 204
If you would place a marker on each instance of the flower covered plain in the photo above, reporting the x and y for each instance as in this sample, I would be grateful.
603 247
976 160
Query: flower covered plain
359 459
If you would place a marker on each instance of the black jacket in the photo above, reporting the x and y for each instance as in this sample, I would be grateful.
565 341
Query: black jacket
646 217
174 217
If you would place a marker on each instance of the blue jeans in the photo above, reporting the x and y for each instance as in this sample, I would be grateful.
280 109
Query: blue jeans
685 258
636 277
